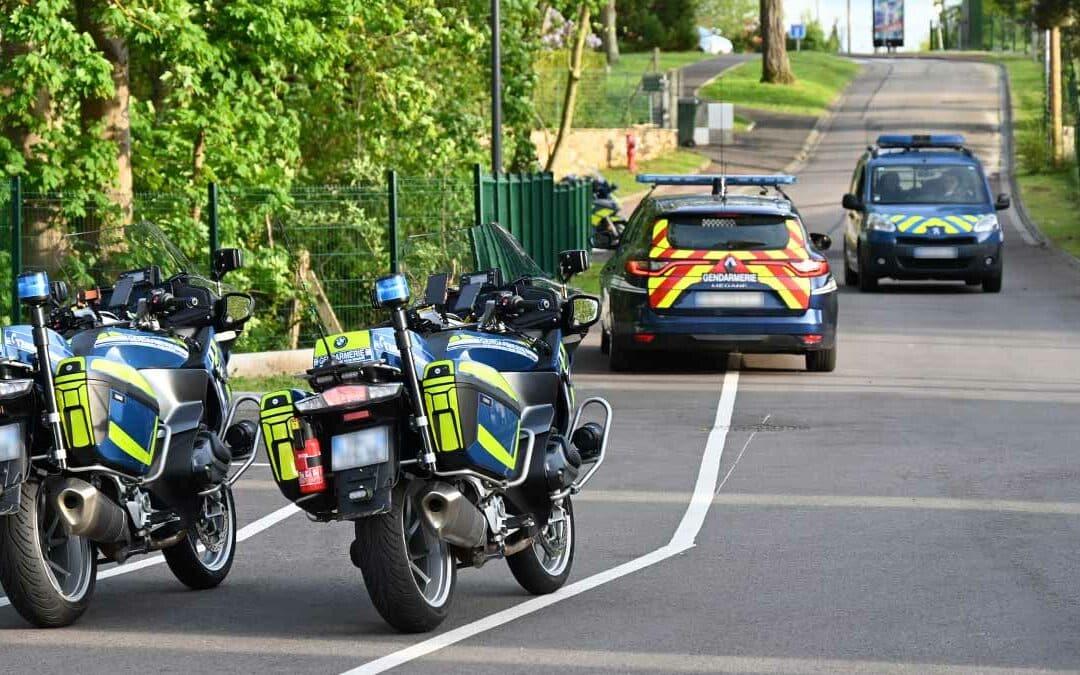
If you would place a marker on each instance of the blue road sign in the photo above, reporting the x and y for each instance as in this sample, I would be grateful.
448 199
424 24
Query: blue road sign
798 31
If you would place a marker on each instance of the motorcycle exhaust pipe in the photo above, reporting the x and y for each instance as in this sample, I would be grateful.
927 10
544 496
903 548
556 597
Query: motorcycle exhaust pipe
452 517
86 512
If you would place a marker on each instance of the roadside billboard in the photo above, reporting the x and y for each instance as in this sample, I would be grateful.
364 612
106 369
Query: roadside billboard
888 23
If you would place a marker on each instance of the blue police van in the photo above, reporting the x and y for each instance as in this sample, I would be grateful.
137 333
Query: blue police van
920 207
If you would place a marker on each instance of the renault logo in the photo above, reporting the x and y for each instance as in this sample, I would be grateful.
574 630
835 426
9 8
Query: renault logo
730 264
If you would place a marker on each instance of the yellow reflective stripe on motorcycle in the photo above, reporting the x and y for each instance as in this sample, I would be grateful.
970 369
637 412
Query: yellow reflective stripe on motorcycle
129 445
123 372
495 448
489 375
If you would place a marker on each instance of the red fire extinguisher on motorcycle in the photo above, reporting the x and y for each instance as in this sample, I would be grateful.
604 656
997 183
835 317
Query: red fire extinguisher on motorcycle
308 457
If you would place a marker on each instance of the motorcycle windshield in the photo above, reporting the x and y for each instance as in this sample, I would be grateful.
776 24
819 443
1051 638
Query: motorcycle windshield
95 258
467 249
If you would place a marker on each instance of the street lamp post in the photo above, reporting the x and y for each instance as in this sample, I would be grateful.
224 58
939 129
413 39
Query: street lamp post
496 89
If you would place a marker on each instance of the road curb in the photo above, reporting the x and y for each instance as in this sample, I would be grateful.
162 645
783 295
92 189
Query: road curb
813 139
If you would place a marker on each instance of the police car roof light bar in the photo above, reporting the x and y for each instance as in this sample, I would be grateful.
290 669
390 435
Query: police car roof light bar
718 181
920 141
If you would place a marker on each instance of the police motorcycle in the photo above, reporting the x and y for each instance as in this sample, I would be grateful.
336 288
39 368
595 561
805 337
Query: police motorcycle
116 425
450 437
607 223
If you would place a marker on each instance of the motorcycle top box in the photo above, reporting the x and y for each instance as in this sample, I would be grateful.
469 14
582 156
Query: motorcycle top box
108 413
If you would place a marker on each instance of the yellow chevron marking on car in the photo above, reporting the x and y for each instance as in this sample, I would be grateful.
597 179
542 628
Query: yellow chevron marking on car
922 224
692 276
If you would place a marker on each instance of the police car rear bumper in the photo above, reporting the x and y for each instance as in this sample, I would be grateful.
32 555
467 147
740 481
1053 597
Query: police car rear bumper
910 261
635 326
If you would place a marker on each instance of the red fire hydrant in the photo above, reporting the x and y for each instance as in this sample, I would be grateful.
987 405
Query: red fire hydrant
631 152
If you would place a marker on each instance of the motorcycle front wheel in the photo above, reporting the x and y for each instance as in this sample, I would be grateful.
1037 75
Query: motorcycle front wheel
204 557
409 572
545 566
47 574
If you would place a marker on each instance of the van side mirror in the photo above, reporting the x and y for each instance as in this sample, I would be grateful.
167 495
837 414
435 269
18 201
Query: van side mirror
851 202
572 262
1003 202
821 242
226 260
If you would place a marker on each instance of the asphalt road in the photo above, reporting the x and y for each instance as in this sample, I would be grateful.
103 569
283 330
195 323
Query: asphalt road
916 510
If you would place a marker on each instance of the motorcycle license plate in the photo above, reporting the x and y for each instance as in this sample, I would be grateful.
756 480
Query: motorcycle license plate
936 252
729 299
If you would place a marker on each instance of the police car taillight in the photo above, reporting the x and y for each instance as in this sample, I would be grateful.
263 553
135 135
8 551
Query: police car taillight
643 268
810 268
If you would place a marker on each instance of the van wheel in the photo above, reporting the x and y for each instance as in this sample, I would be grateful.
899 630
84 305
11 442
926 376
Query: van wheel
821 361
992 284
851 277
867 281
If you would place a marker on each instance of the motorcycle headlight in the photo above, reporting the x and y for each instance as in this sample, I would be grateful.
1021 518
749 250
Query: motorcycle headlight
15 388
987 223
879 223
360 448
12 442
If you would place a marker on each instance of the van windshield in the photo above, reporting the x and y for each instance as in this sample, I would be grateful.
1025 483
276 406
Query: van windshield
923 184
728 232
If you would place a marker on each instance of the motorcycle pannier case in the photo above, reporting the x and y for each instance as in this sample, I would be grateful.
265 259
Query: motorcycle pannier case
475 417
279 422
109 414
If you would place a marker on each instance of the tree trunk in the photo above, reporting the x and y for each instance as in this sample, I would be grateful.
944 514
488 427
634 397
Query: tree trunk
611 42
572 79
112 112
775 67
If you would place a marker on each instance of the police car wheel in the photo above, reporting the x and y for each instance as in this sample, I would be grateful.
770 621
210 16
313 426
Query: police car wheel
992 284
605 342
822 361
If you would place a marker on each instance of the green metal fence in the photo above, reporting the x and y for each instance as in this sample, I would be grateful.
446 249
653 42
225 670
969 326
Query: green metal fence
318 247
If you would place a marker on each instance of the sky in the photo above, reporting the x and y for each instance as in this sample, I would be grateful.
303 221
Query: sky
917 15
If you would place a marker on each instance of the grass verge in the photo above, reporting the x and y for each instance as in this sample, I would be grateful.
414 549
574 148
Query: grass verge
676 161
266 383
820 79
1051 195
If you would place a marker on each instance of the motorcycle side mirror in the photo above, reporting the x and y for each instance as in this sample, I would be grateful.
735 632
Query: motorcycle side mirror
572 262
604 241
822 242
580 312
225 260
59 292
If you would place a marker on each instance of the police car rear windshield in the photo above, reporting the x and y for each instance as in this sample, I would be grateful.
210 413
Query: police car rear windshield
922 184
728 232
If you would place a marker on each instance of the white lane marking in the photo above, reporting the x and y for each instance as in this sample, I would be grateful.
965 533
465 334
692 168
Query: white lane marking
683 539
244 533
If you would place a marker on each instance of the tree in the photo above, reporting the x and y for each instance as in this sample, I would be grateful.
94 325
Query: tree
775 67
611 40
667 24
573 77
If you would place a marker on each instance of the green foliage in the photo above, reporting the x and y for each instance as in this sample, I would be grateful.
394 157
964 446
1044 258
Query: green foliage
737 20
267 94
667 24
815 40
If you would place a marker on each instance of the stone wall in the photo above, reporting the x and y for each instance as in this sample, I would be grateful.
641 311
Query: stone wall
589 150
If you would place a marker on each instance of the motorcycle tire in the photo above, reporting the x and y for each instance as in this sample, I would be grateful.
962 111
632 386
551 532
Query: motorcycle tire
200 570
29 540
396 553
539 571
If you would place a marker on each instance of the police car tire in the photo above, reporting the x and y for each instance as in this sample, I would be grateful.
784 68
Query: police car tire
619 359
605 342
822 361
992 284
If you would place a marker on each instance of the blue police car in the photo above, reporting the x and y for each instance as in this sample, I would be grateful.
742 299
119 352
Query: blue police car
920 208
718 272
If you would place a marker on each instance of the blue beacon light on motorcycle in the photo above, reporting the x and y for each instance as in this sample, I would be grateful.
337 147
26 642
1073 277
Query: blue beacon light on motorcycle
33 287
391 290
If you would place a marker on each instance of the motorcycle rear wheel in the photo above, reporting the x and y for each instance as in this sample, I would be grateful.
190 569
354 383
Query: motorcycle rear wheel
206 568
47 574
543 569
409 572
